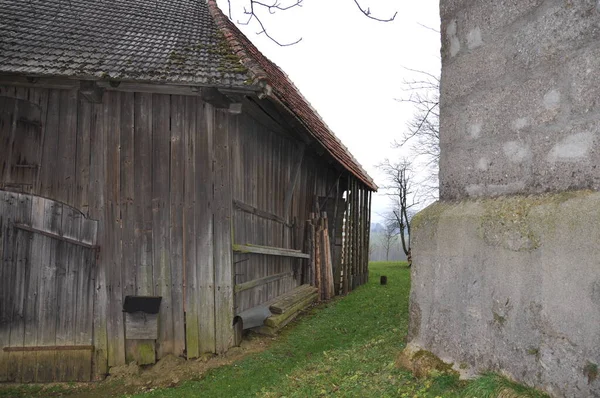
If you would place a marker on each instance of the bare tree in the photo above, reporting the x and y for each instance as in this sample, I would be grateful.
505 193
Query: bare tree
404 195
422 132
389 235
251 7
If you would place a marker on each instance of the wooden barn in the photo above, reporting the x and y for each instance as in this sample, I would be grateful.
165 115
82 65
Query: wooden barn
156 177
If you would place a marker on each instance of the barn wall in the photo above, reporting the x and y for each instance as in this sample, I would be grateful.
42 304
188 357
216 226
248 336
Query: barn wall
143 165
167 177
263 165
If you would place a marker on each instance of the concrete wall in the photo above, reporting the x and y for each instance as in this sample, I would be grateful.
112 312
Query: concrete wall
512 285
520 108
506 267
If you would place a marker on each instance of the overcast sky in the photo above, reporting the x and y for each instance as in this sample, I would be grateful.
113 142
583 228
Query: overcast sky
351 68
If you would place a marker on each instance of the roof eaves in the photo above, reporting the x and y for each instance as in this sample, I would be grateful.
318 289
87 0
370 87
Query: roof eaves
261 78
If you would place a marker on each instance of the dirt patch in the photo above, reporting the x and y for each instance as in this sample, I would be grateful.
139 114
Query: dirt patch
128 379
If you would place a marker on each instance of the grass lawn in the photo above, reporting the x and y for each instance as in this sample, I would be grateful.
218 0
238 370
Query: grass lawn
345 348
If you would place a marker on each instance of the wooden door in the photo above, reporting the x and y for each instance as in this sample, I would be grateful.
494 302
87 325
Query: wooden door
47 264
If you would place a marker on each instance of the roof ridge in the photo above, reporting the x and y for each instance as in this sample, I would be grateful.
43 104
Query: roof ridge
242 47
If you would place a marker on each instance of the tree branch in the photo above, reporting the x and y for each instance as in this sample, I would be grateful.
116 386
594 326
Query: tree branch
271 8
367 12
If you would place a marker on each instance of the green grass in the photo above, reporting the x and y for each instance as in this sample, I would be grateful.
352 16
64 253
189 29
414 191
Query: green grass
345 348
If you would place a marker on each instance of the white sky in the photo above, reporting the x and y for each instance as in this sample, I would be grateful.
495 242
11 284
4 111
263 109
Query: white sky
352 68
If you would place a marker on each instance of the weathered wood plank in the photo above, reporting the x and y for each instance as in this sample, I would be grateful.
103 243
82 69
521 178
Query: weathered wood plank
84 312
127 201
82 172
276 321
284 302
191 291
21 267
47 294
68 266
54 236
176 221
204 228
224 302
49 177
271 251
4 222
97 199
67 142
161 137
113 232
143 194
38 251
261 281
259 213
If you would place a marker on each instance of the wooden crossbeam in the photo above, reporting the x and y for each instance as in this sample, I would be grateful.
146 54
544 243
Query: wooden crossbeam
268 250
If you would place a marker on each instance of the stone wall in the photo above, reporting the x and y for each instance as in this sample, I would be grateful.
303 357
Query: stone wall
520 109
506 267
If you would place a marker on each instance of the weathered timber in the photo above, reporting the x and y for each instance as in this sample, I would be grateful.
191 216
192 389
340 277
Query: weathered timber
285 302
276 320
260 213
261 281
271 251
224 276
55 236
50 348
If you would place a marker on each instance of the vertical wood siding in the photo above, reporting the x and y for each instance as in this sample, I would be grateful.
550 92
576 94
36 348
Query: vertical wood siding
170 180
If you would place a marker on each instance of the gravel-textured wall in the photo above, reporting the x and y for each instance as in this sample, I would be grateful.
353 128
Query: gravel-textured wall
520 109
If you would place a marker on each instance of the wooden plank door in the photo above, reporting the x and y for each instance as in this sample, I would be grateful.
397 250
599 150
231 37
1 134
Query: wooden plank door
47 266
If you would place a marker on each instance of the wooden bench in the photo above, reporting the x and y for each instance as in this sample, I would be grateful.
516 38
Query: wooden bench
286 307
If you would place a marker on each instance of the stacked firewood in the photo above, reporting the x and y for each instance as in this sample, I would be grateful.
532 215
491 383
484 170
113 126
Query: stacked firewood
320 267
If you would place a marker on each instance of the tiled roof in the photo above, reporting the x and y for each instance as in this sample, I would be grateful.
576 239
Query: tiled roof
144 40
164 41
284 91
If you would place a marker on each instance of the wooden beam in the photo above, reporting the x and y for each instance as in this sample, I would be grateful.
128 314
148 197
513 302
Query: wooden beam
91 91
261 281
50 348
270 251
55 236
214 97
260 213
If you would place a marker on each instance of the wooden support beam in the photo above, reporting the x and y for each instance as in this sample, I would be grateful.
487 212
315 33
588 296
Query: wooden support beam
260 213
261 281
91 91
54 236
270 251
214 97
